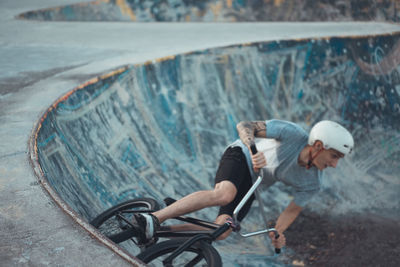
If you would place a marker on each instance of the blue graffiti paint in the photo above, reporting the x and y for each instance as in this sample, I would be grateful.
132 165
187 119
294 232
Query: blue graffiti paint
132 158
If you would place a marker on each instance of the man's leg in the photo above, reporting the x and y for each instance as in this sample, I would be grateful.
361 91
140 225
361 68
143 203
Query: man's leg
222 194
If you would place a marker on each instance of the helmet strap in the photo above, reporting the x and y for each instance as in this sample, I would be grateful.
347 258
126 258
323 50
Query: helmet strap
311 157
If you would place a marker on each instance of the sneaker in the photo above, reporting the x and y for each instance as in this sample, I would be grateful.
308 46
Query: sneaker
147 225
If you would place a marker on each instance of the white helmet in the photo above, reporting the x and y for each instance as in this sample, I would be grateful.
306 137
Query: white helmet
332 135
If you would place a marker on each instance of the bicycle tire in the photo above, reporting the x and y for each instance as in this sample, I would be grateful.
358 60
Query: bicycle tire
206 253
110 225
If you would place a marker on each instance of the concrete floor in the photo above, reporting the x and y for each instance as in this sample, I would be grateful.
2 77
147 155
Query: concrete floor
41 61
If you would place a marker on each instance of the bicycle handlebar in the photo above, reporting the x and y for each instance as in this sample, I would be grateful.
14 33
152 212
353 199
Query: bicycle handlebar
253 149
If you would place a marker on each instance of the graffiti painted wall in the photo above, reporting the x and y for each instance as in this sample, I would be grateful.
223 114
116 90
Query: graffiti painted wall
223 11
158 129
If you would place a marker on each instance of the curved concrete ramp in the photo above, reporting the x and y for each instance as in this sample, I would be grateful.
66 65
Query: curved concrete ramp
158 129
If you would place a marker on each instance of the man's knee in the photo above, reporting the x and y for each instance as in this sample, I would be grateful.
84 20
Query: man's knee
225 192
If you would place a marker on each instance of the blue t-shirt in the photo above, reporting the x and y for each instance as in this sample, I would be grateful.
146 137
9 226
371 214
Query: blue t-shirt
285 140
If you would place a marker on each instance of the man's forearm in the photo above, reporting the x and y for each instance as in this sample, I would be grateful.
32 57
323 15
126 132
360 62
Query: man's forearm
247 130
287 217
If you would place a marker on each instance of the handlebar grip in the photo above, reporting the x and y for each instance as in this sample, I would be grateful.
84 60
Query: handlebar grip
277 250
253 149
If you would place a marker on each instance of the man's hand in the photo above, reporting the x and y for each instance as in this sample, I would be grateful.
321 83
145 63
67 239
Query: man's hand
259 161
278 243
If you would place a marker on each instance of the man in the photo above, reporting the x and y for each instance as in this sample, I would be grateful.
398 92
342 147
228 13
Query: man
286 153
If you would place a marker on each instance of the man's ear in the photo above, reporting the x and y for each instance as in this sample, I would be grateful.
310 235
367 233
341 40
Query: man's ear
318 145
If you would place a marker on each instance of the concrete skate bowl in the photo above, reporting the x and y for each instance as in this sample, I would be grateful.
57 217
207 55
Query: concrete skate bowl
158 129
222 11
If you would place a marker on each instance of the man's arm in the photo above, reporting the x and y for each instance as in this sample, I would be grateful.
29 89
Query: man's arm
247 130
286 218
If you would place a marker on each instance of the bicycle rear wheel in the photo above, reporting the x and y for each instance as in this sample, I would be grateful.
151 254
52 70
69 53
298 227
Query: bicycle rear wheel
114 222
199 254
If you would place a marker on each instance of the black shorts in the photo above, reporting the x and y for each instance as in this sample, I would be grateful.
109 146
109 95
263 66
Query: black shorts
233 167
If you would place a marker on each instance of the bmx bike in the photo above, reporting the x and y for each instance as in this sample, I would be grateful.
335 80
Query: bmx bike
184 247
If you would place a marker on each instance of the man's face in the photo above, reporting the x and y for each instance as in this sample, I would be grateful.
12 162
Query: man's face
327 158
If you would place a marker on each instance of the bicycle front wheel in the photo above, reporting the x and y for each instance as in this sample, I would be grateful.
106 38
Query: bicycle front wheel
199 254
114 222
